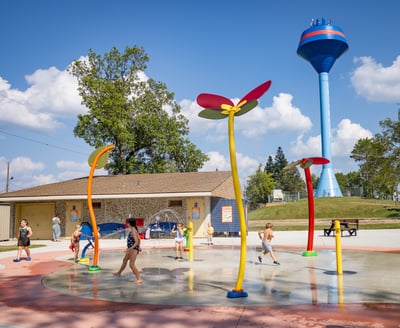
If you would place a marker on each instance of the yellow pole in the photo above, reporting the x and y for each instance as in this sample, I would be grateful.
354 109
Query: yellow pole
190 241
340 289
339 268
238 291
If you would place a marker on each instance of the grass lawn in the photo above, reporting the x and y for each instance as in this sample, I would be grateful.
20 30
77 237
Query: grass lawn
15 248
372 213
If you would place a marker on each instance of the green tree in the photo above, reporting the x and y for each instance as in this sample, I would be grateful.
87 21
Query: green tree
140 118
389 140
288 180
315 180
352 184
269 165
369 153
275 167
259 187
341 180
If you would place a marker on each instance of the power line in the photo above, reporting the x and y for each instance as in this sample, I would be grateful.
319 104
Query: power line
42 143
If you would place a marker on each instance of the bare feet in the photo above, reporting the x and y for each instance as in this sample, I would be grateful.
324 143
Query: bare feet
138 282
116 274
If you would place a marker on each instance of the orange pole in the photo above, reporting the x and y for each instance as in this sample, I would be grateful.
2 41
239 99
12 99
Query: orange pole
90 205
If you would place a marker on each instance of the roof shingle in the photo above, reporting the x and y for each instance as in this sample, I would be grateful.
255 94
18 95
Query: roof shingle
217 183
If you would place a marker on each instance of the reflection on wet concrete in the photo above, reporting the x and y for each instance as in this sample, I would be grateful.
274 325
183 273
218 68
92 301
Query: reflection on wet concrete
206 280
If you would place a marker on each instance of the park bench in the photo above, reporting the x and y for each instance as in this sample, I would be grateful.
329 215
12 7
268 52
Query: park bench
346 225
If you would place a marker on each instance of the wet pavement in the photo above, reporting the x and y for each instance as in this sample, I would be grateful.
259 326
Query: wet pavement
301 292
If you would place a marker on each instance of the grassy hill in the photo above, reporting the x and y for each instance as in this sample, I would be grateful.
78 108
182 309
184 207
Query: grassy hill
373 213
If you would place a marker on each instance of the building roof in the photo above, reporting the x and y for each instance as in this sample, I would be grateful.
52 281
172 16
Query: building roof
215 183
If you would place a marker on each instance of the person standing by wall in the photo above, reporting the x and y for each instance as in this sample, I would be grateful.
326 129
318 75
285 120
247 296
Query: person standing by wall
266 237
56 226
75 241
131 252
24 241
210 233
178 241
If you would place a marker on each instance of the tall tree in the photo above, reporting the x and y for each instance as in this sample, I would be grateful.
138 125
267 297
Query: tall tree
259 187
369 153
288 180
389 178
140 118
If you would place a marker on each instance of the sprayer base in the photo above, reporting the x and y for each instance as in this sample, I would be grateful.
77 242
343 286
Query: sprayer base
94 268
310 253
237 294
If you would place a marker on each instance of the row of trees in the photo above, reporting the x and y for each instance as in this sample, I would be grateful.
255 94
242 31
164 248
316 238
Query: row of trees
379 174
273 176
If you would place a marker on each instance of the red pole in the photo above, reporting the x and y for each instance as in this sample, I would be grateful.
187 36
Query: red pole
310 193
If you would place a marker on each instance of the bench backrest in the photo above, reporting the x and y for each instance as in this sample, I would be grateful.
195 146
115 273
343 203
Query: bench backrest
350 221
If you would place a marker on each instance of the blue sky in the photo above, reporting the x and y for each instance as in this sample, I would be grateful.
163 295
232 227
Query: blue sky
221 47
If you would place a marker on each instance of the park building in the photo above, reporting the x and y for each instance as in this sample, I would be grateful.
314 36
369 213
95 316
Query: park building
199 197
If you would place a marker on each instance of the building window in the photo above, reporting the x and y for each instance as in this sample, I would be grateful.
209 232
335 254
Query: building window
96 205
175 203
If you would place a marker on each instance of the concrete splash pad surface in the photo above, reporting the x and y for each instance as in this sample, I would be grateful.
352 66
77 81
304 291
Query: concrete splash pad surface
368 277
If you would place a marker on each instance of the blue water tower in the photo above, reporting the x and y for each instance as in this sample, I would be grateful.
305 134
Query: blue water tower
321 45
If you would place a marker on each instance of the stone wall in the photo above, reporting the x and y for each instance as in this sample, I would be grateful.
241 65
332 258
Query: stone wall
117 210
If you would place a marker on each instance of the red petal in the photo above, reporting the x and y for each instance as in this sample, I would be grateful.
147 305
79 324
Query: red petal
257 92
319 160
208 100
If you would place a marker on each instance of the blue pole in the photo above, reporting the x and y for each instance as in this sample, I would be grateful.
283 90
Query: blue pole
321 45
327 186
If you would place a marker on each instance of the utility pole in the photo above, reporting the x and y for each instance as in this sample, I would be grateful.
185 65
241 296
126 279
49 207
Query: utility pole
8 178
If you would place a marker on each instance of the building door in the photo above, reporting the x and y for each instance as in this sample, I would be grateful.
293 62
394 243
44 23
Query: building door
39 217
4 222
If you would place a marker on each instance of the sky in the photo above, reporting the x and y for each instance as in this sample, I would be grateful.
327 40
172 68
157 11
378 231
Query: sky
208 46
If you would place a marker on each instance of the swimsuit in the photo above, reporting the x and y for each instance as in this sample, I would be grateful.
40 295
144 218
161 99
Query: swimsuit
130 241
179 237
267 246
23 239
75 239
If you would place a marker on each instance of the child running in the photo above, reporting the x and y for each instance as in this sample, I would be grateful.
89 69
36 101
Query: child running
266 237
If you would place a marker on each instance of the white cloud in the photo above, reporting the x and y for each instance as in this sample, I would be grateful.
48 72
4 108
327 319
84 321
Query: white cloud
343 139
24 173
281 117
20 165
41 179
246 165
52 94
375 82
217 162
72 170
